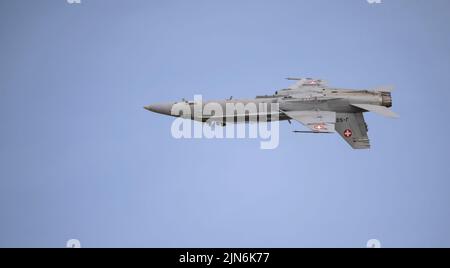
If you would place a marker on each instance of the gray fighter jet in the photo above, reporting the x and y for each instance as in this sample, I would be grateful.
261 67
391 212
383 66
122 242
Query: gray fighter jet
311 102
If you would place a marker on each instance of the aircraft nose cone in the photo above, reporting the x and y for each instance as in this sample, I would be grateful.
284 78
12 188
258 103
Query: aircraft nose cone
161 108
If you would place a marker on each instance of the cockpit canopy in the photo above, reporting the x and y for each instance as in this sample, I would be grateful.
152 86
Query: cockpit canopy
302 84
306 82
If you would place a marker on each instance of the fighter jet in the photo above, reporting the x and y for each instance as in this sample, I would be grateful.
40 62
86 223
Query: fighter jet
320 108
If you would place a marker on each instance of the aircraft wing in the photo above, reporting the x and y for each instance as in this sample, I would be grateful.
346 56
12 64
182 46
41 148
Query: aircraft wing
317 121
353 129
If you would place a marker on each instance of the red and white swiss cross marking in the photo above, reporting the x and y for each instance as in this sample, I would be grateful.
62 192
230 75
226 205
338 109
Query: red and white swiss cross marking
348 133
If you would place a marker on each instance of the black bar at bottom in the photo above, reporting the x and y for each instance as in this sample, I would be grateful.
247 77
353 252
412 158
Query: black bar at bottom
219 257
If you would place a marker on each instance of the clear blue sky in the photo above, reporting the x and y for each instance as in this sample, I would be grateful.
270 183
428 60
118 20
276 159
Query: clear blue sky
80 157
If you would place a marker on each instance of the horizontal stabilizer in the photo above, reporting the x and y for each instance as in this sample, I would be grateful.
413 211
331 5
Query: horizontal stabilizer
381 110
